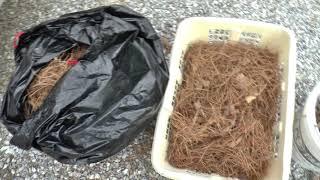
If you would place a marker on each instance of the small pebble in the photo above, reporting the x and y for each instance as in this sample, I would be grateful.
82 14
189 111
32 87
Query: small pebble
91 177
97 176
34 176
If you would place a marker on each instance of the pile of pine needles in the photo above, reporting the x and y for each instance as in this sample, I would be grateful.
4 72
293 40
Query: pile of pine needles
47 77
225 110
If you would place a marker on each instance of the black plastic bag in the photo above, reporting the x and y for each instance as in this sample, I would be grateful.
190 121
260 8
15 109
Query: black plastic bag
101 103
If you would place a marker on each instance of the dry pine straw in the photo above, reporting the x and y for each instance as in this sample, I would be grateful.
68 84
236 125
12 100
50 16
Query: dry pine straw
47 77
225 109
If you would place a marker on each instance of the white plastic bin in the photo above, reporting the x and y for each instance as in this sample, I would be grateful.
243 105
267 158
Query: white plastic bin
274 37
306 143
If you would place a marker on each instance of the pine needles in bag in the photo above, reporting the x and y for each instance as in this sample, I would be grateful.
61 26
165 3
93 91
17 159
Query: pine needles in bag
48 76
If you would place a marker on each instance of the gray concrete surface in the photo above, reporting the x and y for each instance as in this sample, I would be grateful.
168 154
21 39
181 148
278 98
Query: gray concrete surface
302 16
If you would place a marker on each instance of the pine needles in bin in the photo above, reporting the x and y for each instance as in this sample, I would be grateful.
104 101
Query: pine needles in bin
225 110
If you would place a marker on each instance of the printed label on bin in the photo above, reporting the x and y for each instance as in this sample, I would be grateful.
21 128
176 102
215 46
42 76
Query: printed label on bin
250 37
218 35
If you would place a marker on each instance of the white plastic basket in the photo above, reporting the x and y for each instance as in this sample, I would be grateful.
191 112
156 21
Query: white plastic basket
274 37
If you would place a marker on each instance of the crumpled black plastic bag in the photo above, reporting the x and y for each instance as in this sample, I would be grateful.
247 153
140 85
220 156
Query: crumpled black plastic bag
100 104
